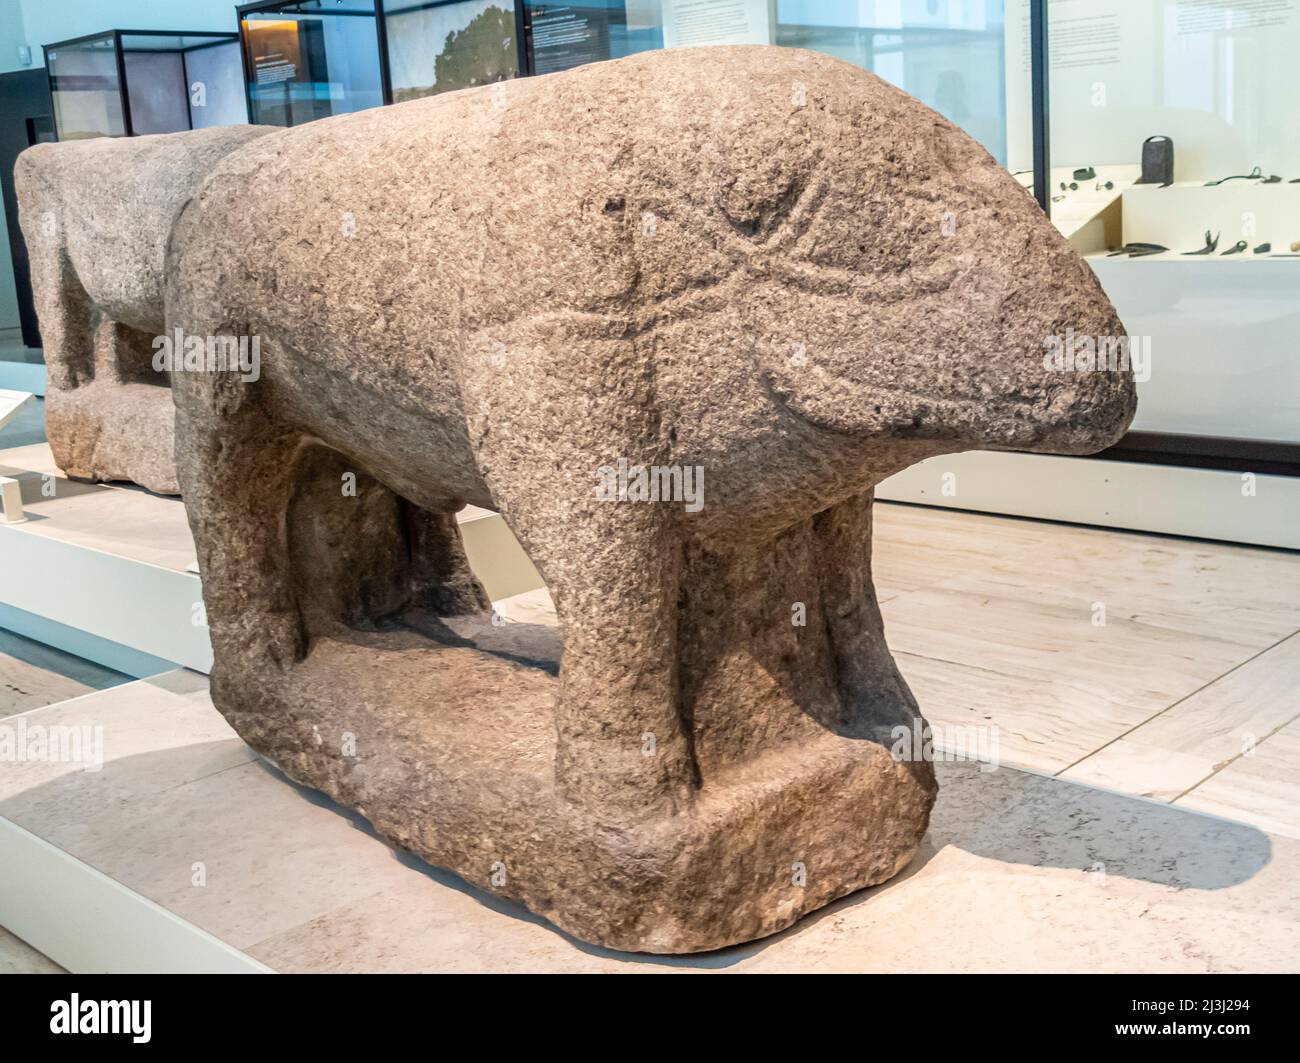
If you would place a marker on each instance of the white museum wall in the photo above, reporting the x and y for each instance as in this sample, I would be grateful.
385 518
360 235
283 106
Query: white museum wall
11 34
39 22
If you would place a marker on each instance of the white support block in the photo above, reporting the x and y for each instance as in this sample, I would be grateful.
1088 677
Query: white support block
11 501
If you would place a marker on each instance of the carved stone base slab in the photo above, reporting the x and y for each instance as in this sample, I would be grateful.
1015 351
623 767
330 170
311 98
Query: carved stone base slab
456 765
106 431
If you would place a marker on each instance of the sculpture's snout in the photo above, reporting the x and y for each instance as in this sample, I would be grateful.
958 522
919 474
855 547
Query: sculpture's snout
1067 372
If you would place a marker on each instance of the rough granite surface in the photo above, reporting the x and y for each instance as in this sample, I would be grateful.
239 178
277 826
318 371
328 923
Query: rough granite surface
96 216
762 263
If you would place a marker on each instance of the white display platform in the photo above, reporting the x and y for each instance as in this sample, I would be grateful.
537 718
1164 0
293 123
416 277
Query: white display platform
99 571
1202 503
186 853
10 403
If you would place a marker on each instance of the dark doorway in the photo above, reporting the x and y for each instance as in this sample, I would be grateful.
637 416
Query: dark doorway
25 119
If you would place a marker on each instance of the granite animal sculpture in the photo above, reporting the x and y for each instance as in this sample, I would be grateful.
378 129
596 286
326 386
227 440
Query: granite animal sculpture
763 265
96 215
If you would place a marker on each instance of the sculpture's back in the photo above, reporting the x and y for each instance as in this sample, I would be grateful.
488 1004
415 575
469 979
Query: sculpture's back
763 273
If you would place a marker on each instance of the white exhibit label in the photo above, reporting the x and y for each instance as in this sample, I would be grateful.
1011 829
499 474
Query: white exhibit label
694 22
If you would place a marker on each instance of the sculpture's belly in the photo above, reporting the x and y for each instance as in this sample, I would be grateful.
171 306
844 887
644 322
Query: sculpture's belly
373 422
122 274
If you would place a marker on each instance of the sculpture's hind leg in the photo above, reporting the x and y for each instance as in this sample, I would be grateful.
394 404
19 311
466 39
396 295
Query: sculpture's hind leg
68 337
65 310
235 466
103 419
117 423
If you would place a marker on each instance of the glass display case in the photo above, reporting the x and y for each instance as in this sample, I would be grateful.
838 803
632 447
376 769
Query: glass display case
1173 133
128 82
948 54
454 44
312 59
309 59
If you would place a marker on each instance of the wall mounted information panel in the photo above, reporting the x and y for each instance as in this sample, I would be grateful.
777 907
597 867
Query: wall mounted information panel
312 59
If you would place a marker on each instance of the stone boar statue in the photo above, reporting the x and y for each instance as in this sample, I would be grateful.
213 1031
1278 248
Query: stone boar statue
96 215
761 268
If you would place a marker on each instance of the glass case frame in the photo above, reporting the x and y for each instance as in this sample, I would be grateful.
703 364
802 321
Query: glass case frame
210 38
374 10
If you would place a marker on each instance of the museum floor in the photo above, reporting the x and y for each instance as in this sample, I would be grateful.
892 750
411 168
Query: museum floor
1140 693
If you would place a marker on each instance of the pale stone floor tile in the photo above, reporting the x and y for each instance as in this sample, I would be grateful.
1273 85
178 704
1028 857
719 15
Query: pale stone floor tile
996 630
531 607
33 675
1187 743
1055 687
1147 771
27 427
153 735
1261 788
18 957
1239 594
1038 725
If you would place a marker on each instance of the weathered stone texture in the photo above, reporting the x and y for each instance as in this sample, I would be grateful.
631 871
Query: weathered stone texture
762 262
96 215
